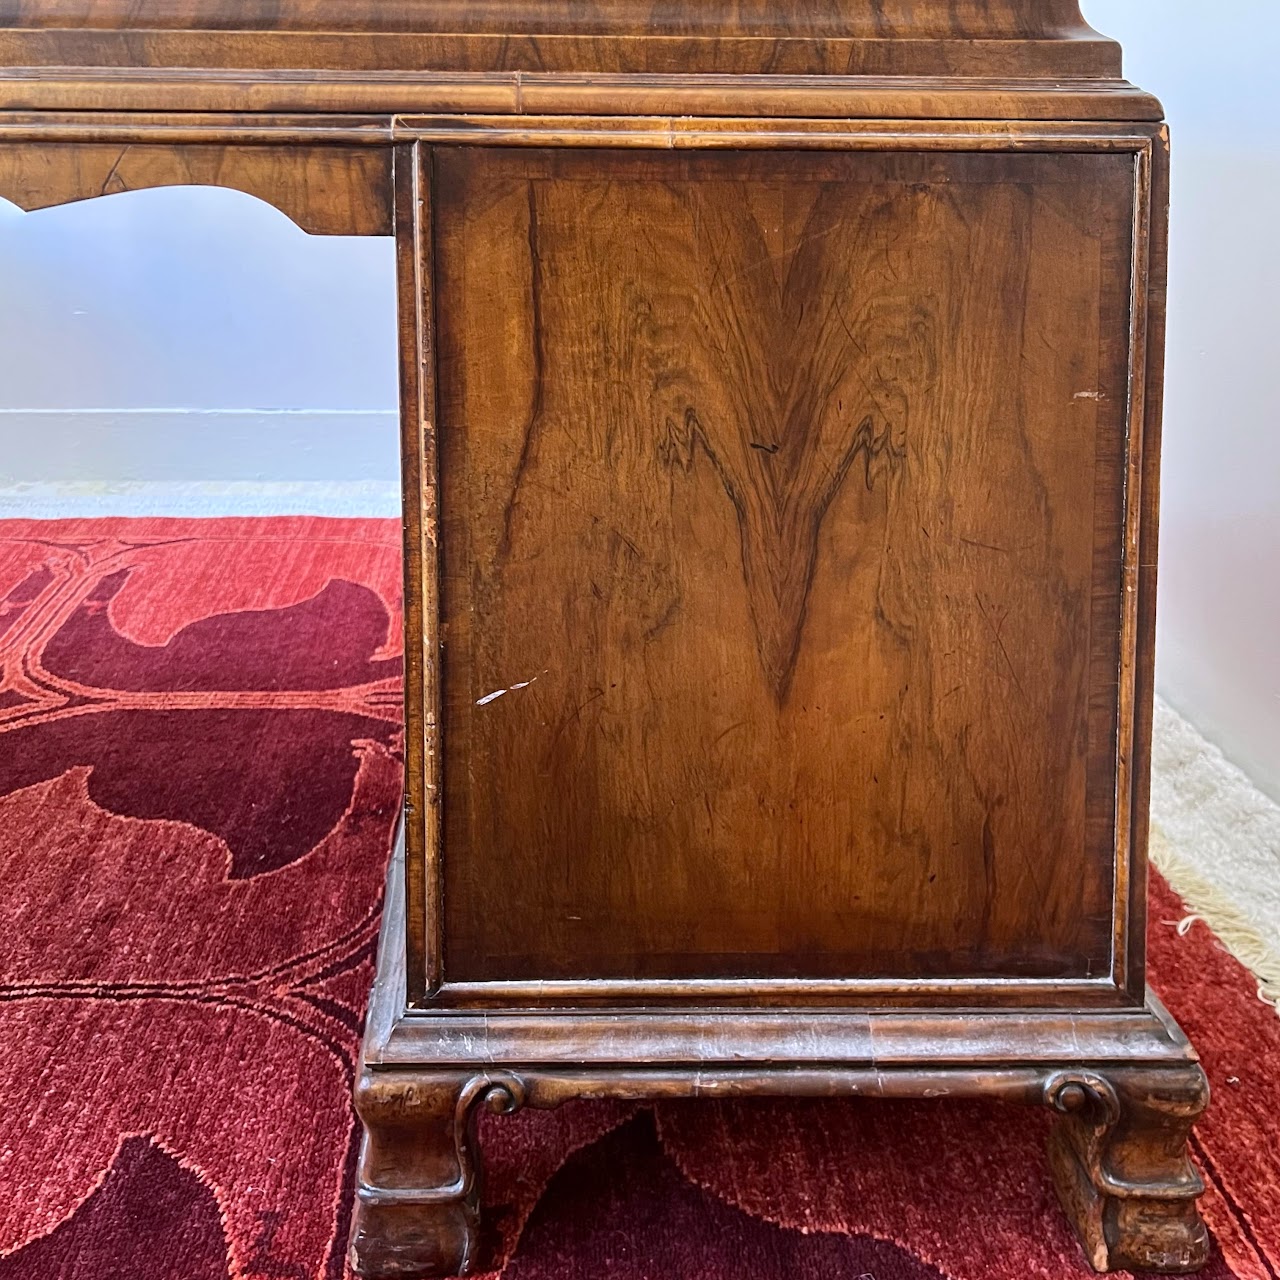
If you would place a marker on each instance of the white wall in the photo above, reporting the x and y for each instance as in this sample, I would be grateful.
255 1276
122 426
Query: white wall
192 334
174 301
1218 656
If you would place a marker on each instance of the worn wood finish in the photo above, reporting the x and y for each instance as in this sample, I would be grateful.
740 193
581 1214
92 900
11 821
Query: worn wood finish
644 132
1118 1152
417 1183
780 396
669 133
420 505
1131 922
342 191
1121 1166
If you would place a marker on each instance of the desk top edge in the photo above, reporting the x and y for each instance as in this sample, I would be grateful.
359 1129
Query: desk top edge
1040 39
185 92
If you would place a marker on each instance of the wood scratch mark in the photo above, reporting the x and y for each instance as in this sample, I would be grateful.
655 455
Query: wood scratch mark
668 617
995 631
538 403
113 171
498 693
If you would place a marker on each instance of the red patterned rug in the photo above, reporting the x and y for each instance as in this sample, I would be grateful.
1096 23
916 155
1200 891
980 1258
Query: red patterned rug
200 754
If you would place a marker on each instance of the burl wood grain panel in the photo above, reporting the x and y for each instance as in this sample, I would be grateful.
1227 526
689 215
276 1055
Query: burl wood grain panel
781 505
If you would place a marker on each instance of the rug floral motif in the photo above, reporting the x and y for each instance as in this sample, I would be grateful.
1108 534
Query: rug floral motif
200 755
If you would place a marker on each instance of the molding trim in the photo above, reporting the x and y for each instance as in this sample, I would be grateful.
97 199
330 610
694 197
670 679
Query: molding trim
385 93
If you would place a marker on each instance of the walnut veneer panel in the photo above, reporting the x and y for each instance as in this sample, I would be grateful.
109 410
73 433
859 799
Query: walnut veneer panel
783 495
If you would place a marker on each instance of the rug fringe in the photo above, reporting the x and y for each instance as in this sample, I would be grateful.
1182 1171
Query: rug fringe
1235 930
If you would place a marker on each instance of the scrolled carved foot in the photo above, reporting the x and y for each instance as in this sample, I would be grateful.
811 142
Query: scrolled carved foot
1120 1164
417 1210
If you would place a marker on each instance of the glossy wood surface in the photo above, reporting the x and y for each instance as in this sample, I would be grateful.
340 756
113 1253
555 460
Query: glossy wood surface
832 37
806 612
182 90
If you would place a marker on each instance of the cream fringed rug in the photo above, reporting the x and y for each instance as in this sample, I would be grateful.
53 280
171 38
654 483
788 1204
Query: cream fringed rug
1216 838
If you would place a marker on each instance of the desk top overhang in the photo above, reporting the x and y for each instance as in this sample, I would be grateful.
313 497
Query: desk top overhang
886 58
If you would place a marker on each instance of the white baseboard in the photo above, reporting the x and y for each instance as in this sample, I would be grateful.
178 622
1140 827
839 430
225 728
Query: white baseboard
176 446
199 499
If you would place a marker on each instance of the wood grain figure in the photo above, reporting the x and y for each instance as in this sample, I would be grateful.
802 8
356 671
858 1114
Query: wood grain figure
737 490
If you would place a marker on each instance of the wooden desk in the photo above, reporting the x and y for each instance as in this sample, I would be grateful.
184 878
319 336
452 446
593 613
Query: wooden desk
781 406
